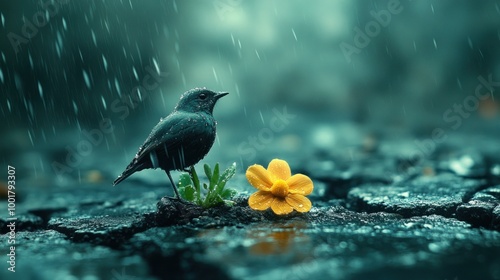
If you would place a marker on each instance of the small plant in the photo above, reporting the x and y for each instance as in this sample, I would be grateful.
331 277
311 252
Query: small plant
209 195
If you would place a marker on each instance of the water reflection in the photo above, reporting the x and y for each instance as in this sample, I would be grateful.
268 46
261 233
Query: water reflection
279 239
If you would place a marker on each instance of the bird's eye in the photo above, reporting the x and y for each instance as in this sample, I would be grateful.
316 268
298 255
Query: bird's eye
203 96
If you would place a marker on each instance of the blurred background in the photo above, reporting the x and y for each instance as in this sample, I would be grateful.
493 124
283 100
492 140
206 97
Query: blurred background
83 82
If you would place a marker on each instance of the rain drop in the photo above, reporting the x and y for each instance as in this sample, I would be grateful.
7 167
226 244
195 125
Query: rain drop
105 62
215 75
257 53
31 138
175 7
435 44
86 79
94 38
40 90
155 63
65 26
1 76
294 35
117 86
30 60
59 44
136 76
104 102
75 108
237 90
470 43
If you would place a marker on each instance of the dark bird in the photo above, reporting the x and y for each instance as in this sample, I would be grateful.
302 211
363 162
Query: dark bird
181 139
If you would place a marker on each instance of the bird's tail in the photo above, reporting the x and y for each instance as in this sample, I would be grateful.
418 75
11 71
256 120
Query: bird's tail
131 169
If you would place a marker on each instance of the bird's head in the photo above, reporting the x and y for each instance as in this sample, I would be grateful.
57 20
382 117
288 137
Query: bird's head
199 100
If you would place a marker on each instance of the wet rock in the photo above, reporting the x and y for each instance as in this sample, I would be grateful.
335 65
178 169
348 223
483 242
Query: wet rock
340 178
439 195
131 232
109 228
495 223
23 222
495 170
479 210
328 242
108 222
476 212
48 254
467 164
174 212
171 253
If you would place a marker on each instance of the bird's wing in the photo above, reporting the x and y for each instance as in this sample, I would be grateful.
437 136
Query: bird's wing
164 133
167 132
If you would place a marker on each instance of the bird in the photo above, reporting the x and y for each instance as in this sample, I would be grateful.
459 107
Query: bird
181 139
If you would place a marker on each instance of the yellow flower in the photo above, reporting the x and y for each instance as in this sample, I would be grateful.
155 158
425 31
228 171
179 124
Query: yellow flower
278 189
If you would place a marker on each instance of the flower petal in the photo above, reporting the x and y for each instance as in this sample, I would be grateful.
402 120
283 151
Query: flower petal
259 177
279 169
281 207
260 200
300 184
299 202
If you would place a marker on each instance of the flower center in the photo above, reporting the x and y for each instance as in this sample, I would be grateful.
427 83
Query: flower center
279 188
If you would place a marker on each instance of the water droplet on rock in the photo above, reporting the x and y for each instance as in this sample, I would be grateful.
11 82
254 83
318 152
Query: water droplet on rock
495 170
468 165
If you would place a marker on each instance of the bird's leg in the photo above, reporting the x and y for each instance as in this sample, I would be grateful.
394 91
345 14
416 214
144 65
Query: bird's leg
177 196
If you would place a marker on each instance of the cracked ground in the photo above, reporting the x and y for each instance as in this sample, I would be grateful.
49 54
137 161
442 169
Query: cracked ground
379 217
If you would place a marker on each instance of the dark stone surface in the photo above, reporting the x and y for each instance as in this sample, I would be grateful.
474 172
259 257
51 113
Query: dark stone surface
339 179
327 243
48 254
394 221
425 195
479 210
496 218
24 222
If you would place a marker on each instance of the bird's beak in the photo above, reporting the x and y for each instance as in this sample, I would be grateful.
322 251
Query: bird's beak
221 94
